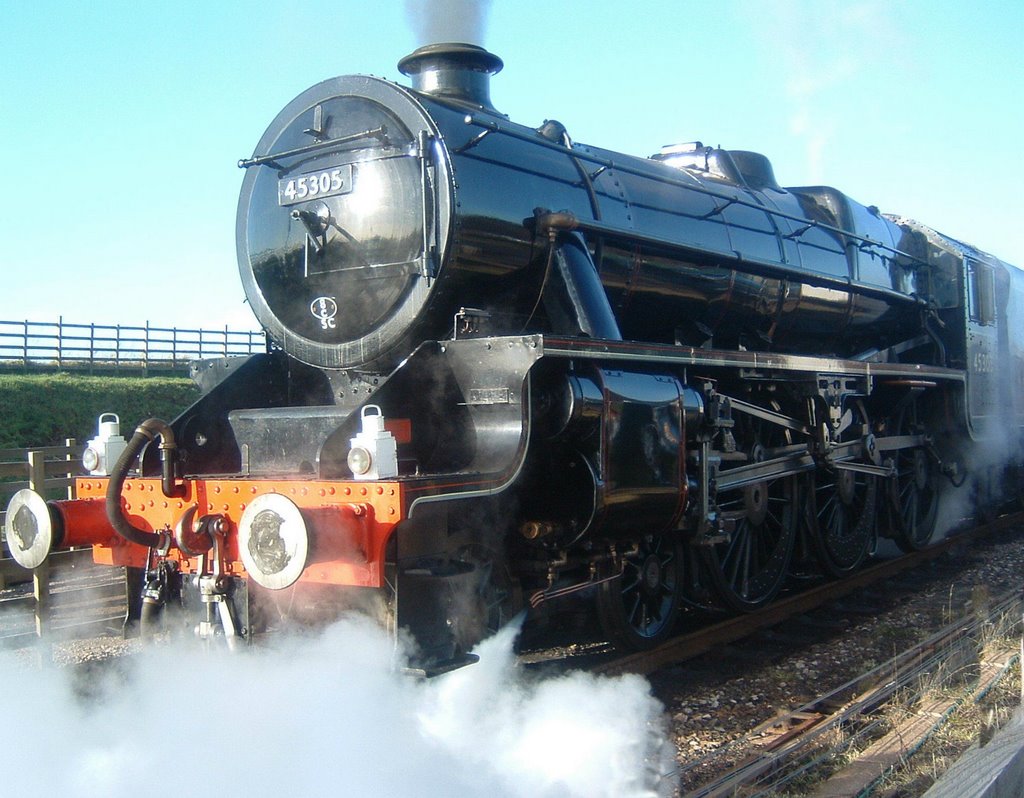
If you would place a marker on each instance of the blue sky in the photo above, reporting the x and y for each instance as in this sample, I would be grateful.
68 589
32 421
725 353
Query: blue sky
122 122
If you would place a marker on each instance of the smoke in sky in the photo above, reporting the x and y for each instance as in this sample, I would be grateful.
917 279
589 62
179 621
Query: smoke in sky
329 715
822 47
448 20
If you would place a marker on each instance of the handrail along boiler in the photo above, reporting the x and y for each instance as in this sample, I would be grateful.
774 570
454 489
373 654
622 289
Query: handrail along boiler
509 367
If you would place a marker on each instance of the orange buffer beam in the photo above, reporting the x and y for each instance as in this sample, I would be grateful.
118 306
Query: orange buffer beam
348 523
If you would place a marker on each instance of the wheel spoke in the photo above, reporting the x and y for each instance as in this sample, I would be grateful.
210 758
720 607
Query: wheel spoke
744 586
912 521
748 568
639 609
632 612
629 587
844 516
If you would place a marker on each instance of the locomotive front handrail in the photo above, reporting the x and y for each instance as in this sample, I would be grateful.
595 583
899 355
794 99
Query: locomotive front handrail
379 133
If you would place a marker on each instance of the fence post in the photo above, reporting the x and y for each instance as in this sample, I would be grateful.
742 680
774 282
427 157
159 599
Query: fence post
24 347
60 342
92 345
41 574
71 443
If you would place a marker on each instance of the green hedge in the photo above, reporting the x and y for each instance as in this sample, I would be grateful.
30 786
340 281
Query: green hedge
45 409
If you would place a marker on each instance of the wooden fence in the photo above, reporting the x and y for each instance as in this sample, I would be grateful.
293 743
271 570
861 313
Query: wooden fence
50 471
62 345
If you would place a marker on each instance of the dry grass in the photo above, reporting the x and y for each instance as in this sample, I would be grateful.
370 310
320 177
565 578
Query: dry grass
969 725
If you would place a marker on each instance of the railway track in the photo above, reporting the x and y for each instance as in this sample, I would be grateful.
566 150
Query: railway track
795 746
87 597
854 716
777 751
774 753
766 756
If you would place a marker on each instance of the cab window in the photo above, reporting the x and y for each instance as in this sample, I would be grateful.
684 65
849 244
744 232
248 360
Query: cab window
982 293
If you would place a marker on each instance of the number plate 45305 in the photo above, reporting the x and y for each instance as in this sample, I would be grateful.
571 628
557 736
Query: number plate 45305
325 183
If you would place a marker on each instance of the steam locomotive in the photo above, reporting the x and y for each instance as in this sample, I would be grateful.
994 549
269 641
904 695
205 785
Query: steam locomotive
507 368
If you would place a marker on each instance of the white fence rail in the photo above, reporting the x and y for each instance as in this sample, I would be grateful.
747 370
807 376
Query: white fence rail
62 344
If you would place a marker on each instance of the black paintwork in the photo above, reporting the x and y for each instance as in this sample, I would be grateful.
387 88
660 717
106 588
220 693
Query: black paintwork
686 246
591 349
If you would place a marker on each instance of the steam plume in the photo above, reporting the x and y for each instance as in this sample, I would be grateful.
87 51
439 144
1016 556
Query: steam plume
329 715
448 20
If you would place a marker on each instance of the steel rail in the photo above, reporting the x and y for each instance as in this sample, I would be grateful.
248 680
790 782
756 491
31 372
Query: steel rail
855 700
796 732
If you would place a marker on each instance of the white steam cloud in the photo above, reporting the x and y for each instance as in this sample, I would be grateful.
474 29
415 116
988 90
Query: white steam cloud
448 20
330 716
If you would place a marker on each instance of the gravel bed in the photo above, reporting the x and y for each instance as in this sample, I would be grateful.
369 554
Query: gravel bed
717 698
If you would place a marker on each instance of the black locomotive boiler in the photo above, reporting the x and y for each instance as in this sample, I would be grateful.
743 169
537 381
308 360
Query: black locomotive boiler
508 367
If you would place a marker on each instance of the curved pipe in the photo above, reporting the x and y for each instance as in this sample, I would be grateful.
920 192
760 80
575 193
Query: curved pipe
576 297
144 433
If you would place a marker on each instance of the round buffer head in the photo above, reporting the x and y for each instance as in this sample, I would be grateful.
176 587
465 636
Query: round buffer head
273 541
29 528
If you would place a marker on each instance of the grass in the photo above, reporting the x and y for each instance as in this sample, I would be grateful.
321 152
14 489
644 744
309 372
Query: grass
971 724
45 409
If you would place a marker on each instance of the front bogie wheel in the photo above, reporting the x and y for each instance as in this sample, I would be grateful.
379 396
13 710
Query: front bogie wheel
638 609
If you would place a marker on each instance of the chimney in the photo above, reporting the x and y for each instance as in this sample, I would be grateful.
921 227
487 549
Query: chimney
453 71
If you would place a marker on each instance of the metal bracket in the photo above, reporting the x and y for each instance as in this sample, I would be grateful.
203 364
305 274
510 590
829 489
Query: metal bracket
834 390
318 129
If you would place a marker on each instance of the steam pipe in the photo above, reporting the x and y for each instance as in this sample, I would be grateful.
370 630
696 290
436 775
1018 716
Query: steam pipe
144 433
577 292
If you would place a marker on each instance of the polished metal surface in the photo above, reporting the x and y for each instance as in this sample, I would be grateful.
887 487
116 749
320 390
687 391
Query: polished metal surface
339 274
28 528
436 209
453 71
273 541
